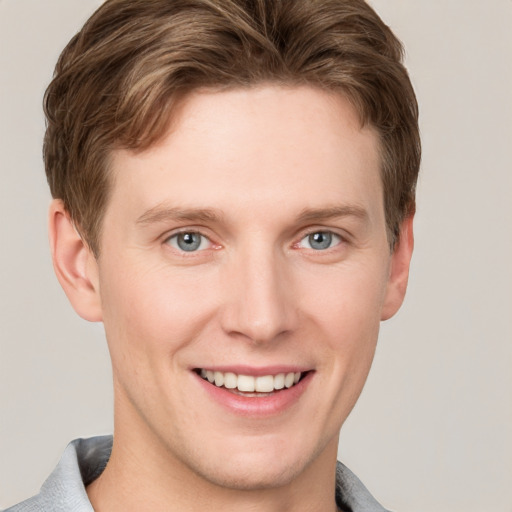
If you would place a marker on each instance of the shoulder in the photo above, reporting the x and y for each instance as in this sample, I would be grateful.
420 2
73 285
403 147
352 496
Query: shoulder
31 505
64 490
352 495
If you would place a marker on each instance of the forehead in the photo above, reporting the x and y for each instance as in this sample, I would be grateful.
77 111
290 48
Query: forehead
250 148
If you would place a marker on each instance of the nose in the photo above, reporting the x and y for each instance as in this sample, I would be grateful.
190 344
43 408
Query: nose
259 302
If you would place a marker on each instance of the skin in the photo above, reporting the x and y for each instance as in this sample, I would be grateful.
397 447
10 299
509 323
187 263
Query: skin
271 165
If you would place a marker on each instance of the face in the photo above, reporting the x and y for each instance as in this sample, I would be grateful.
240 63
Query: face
243 274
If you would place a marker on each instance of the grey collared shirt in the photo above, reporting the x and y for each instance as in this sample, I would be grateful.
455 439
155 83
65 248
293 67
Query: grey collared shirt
85 459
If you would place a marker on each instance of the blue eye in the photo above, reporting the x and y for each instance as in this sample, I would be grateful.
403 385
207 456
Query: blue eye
189 241
320 240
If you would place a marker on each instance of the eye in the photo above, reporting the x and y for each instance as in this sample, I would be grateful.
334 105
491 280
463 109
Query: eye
189 241
320 240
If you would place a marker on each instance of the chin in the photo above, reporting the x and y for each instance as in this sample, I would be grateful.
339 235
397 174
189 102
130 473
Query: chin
249 476
268 463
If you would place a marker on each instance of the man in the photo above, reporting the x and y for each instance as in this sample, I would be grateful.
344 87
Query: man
233 188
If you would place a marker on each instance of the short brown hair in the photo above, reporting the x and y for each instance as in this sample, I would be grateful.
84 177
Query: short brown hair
117 80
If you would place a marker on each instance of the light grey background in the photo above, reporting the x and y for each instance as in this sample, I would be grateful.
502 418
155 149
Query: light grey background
432 431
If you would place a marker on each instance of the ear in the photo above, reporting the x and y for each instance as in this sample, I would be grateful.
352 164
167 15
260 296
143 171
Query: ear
74 264
399 270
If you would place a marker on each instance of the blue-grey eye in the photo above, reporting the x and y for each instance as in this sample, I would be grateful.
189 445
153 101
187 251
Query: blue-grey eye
320 240
189 241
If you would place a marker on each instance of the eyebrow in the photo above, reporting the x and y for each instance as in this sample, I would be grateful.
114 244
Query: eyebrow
333 212
162 213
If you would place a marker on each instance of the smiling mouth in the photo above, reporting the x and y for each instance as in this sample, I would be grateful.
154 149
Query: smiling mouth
248 385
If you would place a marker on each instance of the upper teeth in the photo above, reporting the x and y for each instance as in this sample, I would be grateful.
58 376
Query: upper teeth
248 383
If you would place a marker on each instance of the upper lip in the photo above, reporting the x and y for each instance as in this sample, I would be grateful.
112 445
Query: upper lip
255 371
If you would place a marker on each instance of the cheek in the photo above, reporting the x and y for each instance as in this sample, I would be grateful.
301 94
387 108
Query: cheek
347 312
346 298
152 310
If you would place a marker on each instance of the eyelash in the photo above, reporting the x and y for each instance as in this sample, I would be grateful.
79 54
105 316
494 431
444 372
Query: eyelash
191 232
331 236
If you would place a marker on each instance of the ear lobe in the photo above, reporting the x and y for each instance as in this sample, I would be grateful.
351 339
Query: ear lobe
74 264
399 270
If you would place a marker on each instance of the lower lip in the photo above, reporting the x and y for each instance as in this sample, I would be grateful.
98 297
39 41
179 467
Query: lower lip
257 406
